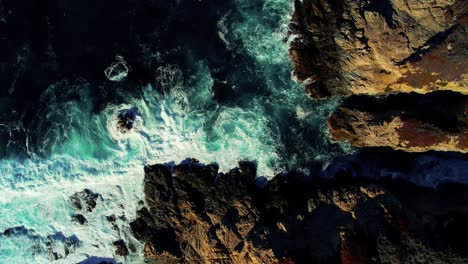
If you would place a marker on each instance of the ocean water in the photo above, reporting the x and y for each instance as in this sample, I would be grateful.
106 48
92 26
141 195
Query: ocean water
262 115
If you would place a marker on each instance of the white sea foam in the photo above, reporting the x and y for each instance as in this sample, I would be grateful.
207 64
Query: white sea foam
35 191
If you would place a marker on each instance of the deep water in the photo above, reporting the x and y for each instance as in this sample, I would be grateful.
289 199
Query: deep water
210 79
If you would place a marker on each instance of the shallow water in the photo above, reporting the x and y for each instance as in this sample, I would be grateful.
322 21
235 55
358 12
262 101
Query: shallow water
214 113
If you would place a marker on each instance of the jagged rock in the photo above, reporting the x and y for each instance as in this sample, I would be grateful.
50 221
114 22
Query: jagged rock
25 234
346 47
111 218
80 219
59 246
127 119
17 230
120 248
84 200
410 122
196 215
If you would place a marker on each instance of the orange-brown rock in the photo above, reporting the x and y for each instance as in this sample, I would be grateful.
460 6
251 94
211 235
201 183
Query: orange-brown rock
195 215
410 122
347 47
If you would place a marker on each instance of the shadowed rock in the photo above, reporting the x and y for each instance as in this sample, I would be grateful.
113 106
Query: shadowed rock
80 219
84 200
120 248
59 246
127 119
196 215
409 122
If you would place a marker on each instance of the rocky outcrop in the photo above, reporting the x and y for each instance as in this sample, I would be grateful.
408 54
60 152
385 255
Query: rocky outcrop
410 122
349 47
126 119
79 219
57 245
85 200
195 215
120 248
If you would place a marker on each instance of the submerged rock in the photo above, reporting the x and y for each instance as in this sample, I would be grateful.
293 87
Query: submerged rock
409 122
58 246
80 219
346 47
196 215
84 200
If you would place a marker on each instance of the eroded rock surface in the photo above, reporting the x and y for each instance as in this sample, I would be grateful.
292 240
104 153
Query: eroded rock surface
126 119
196 215
85 200
120 248
349 47
410 122
57 245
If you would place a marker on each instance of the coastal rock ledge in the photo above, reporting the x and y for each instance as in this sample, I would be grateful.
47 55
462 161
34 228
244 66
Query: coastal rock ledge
345 47
409 122
196 215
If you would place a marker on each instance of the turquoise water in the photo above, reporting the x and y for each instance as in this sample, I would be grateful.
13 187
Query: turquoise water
80 148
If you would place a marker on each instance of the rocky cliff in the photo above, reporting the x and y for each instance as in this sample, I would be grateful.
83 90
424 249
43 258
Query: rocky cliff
410 122
195 215
346 47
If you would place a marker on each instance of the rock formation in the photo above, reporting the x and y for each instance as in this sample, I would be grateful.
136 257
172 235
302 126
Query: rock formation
349 47
85 200
126 119
410 122
195 215
120 248
79 219
57 245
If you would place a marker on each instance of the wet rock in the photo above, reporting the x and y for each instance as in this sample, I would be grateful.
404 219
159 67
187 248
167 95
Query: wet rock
349 47
59 246
85 200
80 219
17 230
409 122
112 221
111 218
196 215
27 236
98 260
120 248
127 119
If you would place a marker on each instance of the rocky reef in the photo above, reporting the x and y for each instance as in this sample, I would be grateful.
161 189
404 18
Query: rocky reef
196 215
410 122
57 246
348 47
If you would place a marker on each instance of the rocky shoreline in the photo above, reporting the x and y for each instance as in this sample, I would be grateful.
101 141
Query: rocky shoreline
196 215
409 122
381 54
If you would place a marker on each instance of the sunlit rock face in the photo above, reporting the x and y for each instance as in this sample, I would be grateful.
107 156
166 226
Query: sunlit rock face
410 122
349 47
195 215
